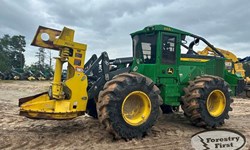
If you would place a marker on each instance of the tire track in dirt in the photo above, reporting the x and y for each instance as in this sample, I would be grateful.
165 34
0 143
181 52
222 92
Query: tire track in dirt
172 131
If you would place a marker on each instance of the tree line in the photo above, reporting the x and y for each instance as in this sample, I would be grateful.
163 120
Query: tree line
12 57
11 52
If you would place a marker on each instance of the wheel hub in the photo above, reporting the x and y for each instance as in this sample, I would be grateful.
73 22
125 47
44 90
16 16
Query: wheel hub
216 103
136 108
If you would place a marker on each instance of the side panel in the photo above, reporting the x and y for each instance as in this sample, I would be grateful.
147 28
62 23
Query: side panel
215 66
189 69
147 70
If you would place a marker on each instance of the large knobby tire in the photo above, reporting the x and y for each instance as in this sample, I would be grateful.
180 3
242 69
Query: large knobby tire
129 105
206 102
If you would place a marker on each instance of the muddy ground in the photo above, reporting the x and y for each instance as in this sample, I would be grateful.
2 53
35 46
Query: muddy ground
172 131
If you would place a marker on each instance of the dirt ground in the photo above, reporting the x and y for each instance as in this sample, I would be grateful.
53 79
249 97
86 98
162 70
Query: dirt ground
172 131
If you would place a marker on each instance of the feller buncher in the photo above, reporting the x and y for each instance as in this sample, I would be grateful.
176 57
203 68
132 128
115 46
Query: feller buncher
127 94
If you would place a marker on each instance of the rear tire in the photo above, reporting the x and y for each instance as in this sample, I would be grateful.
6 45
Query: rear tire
120 100
206 102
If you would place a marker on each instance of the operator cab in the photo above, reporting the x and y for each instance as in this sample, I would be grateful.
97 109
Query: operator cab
172 41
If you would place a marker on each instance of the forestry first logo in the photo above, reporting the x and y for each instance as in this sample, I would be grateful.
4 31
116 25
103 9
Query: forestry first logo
222 139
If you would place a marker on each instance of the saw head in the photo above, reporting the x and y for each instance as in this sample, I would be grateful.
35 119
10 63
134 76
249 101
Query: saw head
68 99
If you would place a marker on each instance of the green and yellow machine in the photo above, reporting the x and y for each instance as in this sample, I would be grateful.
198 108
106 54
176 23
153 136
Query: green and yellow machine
128 94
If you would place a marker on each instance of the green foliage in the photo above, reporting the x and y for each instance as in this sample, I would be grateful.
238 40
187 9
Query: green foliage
11 52
4 61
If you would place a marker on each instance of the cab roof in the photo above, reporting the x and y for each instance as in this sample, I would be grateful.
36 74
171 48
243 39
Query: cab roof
160 28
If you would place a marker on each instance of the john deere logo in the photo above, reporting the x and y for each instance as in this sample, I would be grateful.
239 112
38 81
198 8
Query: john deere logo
170 70
218 139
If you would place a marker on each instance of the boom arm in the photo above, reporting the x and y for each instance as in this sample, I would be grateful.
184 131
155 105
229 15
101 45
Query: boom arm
226 54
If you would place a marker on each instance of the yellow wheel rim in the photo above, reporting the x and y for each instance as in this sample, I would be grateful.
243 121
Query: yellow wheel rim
216 103
136 108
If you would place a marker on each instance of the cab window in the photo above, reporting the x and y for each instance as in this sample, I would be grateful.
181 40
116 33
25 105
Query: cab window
145 47
168 49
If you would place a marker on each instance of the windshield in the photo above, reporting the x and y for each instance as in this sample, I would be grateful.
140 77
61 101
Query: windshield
145 47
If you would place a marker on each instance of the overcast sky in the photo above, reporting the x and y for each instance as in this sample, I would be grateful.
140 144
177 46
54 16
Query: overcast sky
105 25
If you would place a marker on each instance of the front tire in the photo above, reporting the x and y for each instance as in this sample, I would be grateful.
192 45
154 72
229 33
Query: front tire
206 102
128 106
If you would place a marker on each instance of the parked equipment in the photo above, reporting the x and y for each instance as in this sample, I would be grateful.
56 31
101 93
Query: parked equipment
19 74
40 76
43 74
246 65
125 94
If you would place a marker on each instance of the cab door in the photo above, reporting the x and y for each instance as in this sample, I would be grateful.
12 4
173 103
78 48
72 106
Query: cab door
168 73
